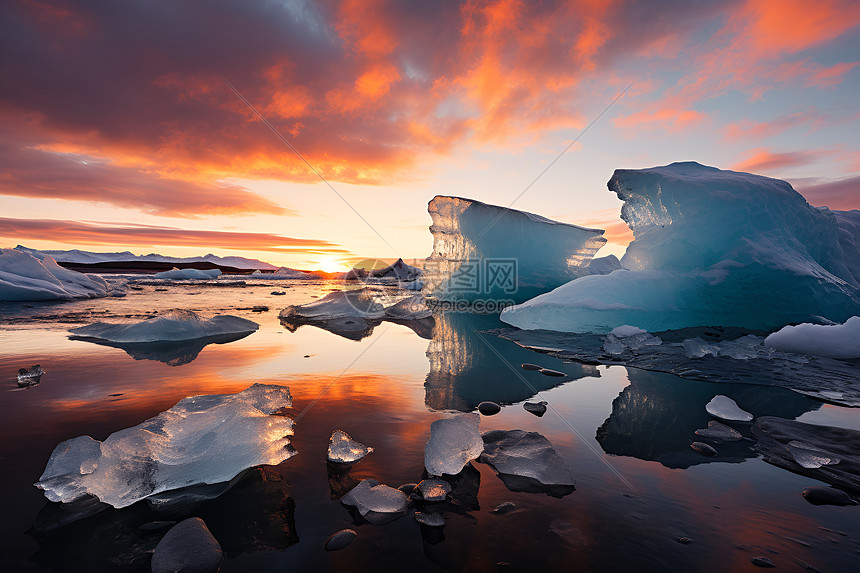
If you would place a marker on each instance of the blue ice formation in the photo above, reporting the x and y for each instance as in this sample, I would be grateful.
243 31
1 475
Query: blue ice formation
712 248
486 252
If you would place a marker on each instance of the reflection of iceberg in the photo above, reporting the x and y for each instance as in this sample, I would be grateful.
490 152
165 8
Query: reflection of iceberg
485 252
171 353
468 366
354 314
656 417
174 325
711 248
829 454
254 512
201 440
688 353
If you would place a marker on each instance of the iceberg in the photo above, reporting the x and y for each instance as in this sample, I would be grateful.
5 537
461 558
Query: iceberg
24 277
487 252
527 455
453 443
340 304
173 325
834 341
711 248
201 440
175 274
282 273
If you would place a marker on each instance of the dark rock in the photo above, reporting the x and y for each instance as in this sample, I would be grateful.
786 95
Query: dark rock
340 539
408 488
430 519
489 408
536 408
684 540
762 562
155 525
527 366
827 496
188 548
549 372
703 448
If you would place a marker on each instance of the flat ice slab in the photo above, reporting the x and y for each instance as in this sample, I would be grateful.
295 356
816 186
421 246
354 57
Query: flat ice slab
24 277
826 453
725 408
174 325
834 341
488 252
453 443
711 247
201 440
334 305
369 496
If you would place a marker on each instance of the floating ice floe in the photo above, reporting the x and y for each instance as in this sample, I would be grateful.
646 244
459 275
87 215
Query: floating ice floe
713 248
518 254
628 337
370 497
24 277
342 449
453 443
173 325
725 408
529 455
718 431
30 376
834 341
175 274
826 453
334 305
201 440
411 308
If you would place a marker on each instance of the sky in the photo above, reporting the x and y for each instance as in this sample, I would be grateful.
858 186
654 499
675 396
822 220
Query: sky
313 134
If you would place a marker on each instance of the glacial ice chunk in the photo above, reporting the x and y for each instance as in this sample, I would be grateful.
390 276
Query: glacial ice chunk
334 305
30 376
725 408
495 253
24 277
173 325
201 440
525 454
371 496
342 449
175 274
834 341
411 308
626 337
711 247
453 443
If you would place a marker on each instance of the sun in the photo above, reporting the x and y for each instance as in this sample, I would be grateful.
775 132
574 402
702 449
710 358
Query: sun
331 265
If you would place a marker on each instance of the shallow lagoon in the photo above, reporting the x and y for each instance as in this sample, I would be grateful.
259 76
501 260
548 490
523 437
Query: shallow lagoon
625 433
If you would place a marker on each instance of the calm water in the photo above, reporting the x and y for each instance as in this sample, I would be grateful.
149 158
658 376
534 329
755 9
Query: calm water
624 433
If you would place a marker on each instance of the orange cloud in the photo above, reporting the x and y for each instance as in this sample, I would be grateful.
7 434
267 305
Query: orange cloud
754 129
843 194
762 159
151 236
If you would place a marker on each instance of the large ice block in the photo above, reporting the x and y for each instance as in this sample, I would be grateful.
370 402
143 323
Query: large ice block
453 443
23 277
711 248
173 325
489 252
201 440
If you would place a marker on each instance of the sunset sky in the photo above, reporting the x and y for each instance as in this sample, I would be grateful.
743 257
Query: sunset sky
119 131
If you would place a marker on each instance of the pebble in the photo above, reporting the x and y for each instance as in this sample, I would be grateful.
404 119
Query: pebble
188 547
762 562
827 496
548 372
527 366
703 448
489 408
536 408
340 539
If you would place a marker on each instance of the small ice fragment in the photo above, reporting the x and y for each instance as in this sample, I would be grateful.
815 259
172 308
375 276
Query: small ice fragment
626 330
489 408
371 496
698 348
536 408
703 449
340 539
453 443
718 431
613 345
30 376
434 489
430 519
526 454
811 457
342 449
528 366
725 408
504 507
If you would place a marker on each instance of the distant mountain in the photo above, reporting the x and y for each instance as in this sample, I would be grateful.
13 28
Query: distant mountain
87 257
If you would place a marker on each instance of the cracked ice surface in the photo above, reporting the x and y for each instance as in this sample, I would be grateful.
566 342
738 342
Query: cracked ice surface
201 440
453 443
